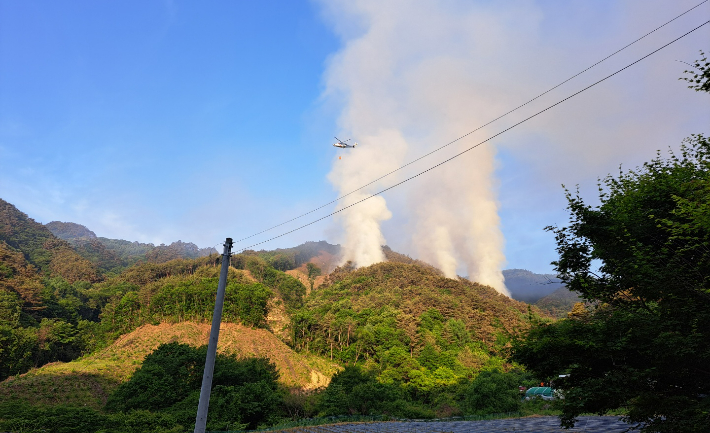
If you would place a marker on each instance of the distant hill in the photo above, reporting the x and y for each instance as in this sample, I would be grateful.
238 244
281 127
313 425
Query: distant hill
529 287
559 302
69 231
545 291
177 250
113 255
323 254
51 255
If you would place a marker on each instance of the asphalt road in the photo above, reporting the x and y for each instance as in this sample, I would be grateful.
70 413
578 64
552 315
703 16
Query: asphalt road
542 424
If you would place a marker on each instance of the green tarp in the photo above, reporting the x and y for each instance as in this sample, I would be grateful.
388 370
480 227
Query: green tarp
544 391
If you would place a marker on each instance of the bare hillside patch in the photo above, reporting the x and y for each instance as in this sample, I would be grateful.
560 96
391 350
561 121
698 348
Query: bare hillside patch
88 381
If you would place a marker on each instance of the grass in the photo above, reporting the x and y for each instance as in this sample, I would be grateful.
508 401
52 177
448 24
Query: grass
89 380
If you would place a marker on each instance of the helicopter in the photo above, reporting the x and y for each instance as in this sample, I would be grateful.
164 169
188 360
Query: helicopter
343 144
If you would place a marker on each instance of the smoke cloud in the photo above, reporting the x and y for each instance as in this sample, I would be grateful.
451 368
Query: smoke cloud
412 77
403 82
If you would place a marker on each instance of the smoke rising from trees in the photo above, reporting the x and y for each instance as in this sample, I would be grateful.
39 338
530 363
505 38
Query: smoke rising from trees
431 73
403 88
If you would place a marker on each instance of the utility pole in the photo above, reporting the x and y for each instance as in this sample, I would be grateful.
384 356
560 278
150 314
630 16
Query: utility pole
203 407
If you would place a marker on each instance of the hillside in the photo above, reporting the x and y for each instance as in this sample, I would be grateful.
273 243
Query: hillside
529 287
559 302
403 318
51 255
71 336
114 255
89 380
70 231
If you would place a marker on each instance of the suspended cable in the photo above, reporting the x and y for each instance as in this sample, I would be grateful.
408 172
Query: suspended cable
477 129
480 143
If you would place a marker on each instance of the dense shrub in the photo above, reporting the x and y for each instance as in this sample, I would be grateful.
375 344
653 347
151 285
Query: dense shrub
244 393
494 392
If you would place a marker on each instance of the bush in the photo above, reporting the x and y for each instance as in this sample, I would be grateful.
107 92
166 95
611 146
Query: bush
15 416
244 392
493 392
354 391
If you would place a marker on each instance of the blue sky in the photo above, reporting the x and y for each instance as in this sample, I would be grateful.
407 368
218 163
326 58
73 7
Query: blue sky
164 120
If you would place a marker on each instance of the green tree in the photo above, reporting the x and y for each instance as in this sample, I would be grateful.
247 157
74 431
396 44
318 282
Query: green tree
494 392
18 349
282 262
354 391
251 303
245 392
699 78
313 272
642 261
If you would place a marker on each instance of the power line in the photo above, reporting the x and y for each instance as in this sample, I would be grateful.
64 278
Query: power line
477 129
480 143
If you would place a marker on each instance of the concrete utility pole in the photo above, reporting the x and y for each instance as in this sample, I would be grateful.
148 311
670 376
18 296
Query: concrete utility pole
203 407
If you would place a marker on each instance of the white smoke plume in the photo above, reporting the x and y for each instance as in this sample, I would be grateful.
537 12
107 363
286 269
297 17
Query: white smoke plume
401 78
411 76
363 237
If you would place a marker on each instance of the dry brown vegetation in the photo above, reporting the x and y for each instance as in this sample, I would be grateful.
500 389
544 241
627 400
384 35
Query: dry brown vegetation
414 289
52 255
89 380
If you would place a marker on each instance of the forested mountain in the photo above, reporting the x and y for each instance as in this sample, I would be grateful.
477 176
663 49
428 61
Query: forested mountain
528 286
558 303
545 291
113 255
405 318
41 305
70 231
53 256
325 255
418 338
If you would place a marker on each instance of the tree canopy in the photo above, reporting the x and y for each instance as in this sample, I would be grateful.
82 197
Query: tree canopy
641 260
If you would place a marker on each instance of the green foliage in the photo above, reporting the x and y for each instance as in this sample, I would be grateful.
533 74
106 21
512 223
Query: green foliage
411 340
411 325
18 417
128 252
699 78
245 392
10 308
249 303
53 256
15 416
558 303
97 253
182 298
18 349
289 289
644 342
313 271
356 392
282 262
176 250
494 391
52 328
141 421
167 376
